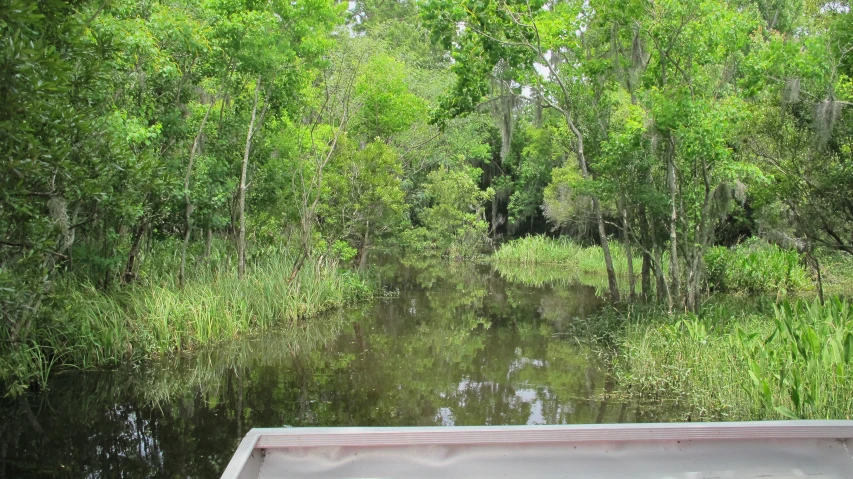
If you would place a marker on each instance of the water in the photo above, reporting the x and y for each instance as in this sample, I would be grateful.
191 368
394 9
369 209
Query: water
452 345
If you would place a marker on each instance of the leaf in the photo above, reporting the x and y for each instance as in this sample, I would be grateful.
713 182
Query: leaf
786 412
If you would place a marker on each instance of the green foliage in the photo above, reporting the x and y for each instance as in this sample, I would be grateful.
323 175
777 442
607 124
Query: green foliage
538 260
388 105
102 105
540 155
363 196
564 203
756 267
155 316
453 223
334 128
672 110
736 363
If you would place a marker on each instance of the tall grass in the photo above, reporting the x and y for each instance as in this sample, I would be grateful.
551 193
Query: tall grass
756 267
794 360
541 250
559 261
157 316
837 270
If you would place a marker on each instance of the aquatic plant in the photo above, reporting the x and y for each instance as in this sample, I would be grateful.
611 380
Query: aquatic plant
157 316
541 250
747 362
756 267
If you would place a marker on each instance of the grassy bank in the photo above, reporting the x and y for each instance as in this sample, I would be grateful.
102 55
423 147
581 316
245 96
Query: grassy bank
542 250
762 347
157 316
754 267
743 361
560 261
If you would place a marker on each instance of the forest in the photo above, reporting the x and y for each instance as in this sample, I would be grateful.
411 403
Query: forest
175 173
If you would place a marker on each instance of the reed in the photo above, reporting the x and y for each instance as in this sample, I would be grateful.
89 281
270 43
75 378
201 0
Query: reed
540 250
156 316
756 267
736 362
559 261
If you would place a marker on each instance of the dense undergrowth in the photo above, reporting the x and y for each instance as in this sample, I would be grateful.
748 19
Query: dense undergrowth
756 267
743 361
91 327
762 346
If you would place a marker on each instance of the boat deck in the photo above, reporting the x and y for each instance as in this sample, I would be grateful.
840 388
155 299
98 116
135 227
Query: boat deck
794 449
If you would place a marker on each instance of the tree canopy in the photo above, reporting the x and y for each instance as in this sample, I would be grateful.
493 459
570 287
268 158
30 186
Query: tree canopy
130 128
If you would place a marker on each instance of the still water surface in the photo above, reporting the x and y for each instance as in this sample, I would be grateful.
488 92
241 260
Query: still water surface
451 345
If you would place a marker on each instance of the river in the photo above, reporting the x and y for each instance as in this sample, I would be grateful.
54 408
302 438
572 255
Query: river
448 344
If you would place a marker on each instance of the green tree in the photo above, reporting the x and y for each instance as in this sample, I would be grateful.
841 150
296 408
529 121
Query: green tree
454 222
362 199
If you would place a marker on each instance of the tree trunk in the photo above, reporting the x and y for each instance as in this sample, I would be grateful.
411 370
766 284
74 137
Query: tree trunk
188 227
605 247
662 285
645 274
675 289
626 238
106 254
241 240
207 243
365 245
494 217
819 278
129 275
187 200
693 284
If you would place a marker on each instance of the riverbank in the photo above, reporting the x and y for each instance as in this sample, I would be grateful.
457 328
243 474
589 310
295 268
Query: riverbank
761 347
91 327
455 344
741 360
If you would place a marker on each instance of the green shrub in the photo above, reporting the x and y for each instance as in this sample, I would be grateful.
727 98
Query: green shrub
454 223
756 267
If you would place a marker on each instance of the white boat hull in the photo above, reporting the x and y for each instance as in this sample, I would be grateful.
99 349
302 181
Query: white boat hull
789 449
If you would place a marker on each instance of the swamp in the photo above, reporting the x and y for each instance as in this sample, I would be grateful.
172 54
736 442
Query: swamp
217 215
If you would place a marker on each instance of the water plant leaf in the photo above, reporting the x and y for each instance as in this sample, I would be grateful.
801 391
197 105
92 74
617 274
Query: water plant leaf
786 412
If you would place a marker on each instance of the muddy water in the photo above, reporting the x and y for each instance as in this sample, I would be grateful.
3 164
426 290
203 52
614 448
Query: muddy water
448 345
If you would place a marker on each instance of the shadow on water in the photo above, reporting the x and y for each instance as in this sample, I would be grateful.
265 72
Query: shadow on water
453 344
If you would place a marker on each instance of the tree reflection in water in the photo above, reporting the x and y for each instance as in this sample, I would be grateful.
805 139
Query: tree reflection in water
459 345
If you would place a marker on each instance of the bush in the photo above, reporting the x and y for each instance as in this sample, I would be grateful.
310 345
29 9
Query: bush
454 224
756 266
